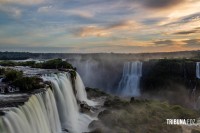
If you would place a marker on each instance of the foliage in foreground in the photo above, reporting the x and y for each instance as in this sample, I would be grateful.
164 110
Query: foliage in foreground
139 116
25 84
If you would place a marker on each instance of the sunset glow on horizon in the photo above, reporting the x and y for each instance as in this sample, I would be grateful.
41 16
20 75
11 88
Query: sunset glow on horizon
89 26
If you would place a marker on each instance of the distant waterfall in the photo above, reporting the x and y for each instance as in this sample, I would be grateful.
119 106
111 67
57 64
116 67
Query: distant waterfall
198 70
51 111
130 81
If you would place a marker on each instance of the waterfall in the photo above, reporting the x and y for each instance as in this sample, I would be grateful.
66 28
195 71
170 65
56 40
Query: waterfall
81 93
130 81
67 105
198 70
66 101
52 111
34 116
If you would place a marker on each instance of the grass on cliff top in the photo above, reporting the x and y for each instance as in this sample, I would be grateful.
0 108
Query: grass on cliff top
142 116
138 115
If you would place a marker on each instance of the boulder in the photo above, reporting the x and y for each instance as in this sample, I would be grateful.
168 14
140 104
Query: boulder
84 107
103 113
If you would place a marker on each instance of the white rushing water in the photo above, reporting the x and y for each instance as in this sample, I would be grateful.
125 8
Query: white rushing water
198 70
38 115
130 81
81 93
71 118
53 111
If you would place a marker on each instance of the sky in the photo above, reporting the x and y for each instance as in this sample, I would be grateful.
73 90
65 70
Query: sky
95 26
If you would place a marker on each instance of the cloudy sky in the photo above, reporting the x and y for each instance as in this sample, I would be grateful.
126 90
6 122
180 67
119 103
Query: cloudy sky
130 26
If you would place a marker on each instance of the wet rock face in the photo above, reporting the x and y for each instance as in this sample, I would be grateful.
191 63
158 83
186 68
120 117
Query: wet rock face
2 113
84 107
195 131
115 102
103 113
98 130
66 130
96 126
132 99
157 74
12 100
93 93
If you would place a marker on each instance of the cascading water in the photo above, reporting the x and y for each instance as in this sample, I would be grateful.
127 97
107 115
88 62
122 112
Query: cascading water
67 105
130 81
34 116
81 93
198 70
52 111
66 101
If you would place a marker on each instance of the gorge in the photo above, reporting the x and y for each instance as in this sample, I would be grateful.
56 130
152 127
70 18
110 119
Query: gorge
62 105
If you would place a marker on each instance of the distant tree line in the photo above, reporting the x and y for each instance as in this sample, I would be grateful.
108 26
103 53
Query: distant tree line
50 64
122 56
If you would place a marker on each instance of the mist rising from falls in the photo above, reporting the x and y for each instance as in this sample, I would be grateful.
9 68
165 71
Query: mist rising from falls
130 81
101 73
89 69
52 111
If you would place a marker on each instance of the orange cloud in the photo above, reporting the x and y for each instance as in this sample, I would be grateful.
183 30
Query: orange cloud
97 31
91 31
124 25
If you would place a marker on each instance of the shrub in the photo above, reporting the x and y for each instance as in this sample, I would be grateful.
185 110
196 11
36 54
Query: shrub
11 75
7 63
25 84
2 71
55 64
28 83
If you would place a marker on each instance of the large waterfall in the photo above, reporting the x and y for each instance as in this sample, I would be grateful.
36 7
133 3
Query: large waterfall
130 81
52 111
198 70
38 115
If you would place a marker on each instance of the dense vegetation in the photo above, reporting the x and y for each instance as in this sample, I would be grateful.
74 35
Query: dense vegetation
27 55
16 79
163 72
50 64
55 64
16 55
138 115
